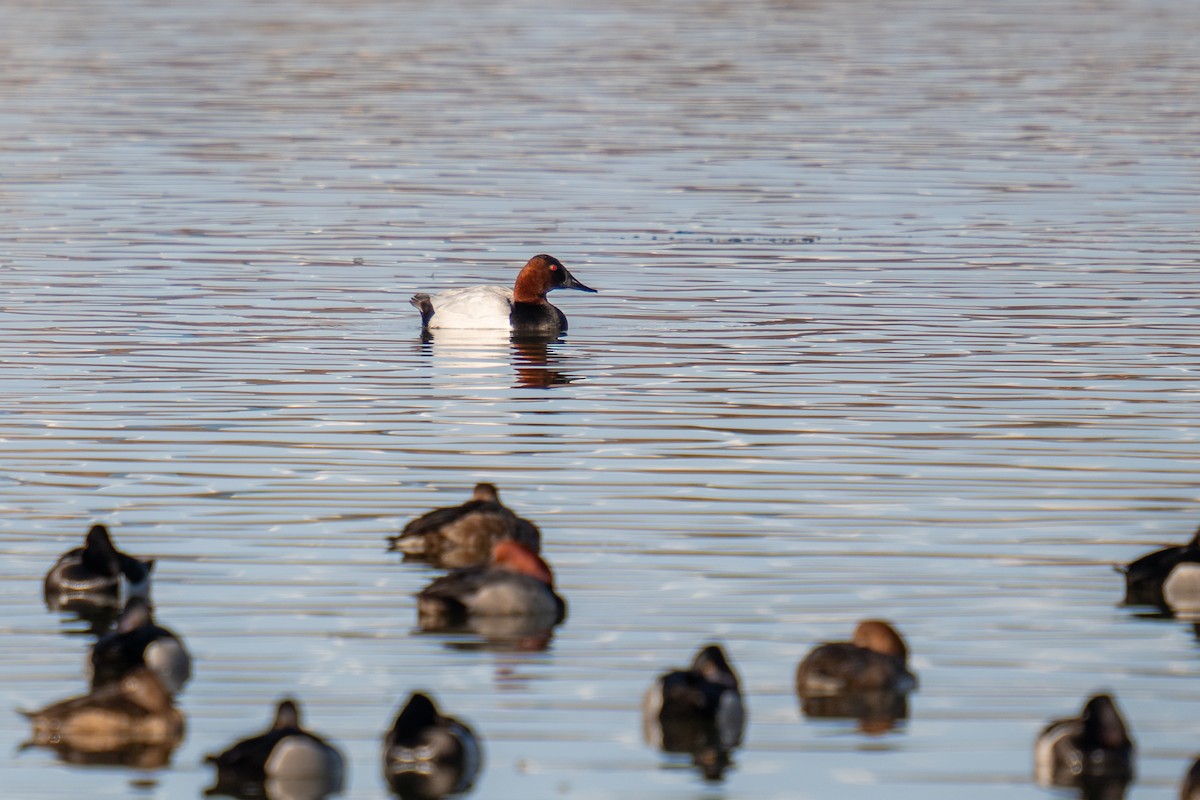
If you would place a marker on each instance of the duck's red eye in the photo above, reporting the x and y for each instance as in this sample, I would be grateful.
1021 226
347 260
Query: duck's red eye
554 267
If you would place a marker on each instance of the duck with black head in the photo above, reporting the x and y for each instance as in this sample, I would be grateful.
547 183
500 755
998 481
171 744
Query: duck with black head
1093 751
285 761
697 710
96 573
428 755
1168 578
140 642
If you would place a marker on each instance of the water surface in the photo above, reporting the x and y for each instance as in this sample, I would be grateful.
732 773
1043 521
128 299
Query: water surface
897 317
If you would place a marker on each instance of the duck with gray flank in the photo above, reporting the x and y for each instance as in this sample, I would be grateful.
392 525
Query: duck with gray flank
464 535
96 572
1168 578
1092 751
139 642
521 310
429 755
284 761
515 583
697 710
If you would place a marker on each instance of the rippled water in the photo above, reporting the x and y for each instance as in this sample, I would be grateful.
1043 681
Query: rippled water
897 316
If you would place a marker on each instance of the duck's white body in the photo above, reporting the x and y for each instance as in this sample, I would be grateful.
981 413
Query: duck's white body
473 308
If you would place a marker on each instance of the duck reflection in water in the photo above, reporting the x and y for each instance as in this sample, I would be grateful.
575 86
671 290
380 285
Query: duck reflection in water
427 755
536 367
1092 752
697 711
132 723
866 679
532 356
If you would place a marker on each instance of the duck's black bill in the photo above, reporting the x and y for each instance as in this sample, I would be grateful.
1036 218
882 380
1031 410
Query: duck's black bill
571 283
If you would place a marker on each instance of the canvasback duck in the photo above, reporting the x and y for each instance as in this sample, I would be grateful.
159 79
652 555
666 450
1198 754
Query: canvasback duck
522 309
463 536
1086 750
139 642
1167 578
285 760
698 710
515 583
96 572
875 660
135 711
429 755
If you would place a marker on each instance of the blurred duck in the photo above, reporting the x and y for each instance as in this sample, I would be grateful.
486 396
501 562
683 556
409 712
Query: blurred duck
136 712
522 309
428 755
1190 790
138 642
697 710
1092 751
874 660
96 572
515 583
284 762
1167 578
463 536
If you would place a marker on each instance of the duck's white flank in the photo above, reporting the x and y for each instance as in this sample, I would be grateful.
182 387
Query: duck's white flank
474 307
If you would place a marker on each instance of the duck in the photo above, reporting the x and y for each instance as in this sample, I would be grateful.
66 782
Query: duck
135 711
1168 578
285 760
1190 789
875 660
429 755
139 642
697 710
516 582
464 535
1093 747
521 310
96 572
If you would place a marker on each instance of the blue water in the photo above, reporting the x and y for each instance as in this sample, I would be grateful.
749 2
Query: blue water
897 317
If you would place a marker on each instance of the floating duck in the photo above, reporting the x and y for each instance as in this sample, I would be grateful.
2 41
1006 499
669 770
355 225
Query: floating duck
515 583
96 573
139 642
284 761
464 535
1089 750
522 309
429 755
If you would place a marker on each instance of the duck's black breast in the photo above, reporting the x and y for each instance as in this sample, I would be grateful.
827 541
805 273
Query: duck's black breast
537 318
1144 577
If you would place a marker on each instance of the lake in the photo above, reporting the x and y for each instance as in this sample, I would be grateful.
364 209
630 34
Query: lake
897 317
